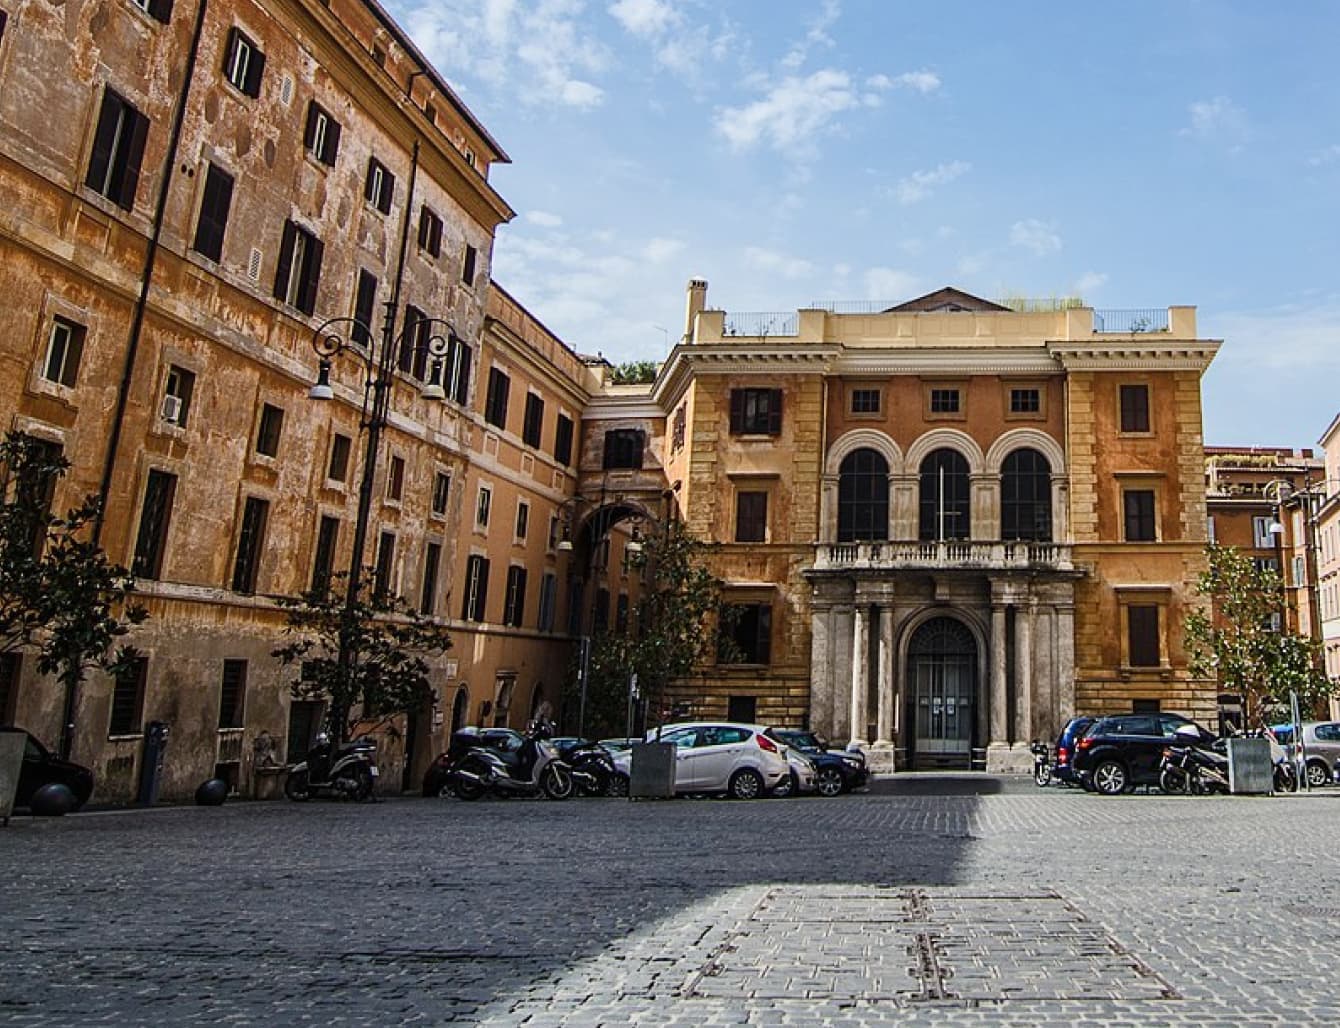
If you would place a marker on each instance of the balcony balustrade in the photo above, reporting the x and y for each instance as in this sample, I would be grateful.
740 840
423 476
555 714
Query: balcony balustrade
954 554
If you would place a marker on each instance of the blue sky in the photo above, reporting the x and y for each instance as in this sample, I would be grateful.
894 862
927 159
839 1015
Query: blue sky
1143 154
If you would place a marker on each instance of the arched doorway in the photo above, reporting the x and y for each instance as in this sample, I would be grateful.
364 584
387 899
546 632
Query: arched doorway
942 691
460 709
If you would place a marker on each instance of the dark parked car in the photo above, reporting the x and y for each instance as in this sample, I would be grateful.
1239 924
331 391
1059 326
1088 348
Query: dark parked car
1121 752
500 740
835 771
1063 767
41 767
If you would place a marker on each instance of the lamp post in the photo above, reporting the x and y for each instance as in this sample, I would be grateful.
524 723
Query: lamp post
339 336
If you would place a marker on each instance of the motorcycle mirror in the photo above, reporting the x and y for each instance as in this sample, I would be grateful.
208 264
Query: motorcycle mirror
1188 732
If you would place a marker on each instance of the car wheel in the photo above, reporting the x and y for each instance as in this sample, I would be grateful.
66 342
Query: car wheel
786 787
828 782
295 787
1317 775
1110 778
556 781
745 785
618 785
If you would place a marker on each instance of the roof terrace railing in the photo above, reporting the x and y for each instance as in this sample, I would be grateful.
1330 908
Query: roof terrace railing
1149 319
763 323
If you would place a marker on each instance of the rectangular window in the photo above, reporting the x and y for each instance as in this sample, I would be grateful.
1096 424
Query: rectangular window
621 614
379 186
413 357
250 541
1142 621
743 710
755 411
430 231
441 493
1135 408
151 540
748 629
327 538
944 401
548 602
1262 538
338 471
476 588
623 448
468 265
365 308
600 616
555 531
751 517
243 63
456 383
1025 401
865 401
533 425
118 150
395 480
177 393
298 271
10 663
65 350
522 520
515 609
495 402
483 505
38 485
432 559
1138 505
128 698
563 440
232 694
267 434
381 574
213 218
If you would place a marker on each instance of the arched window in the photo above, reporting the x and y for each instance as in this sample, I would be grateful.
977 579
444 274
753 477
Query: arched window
863 497
460 709
1026 496
944 496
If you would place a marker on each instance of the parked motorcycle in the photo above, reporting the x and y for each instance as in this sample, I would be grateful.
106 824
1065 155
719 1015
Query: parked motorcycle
592 767
348 771
1042 763
533 770
1189 768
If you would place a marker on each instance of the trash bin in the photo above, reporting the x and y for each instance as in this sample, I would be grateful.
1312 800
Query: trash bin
151 766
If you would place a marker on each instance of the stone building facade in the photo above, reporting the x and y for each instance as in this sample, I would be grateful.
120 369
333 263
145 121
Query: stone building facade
944 526
205 187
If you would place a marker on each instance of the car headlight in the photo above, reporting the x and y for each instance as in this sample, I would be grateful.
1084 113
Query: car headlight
851 762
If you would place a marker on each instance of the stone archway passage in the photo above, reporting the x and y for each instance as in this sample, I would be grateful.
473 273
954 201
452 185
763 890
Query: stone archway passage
941 692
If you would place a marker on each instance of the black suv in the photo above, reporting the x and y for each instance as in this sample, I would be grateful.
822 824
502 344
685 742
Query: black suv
1121 752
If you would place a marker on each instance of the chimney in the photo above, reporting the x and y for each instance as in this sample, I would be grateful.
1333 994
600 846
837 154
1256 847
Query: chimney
697 302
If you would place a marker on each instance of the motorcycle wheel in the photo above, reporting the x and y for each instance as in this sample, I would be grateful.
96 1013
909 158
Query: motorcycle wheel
295 787
1172 782
556 783
466 788
1042 774
362 779
600 782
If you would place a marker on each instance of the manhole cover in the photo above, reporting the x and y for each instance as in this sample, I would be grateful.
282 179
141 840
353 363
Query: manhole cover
919 946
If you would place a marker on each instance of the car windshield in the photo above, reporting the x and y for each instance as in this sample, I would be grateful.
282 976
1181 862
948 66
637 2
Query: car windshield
798 739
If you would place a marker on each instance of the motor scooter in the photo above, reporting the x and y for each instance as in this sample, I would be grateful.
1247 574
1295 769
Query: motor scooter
347 772
1042 763
535 769
1187 767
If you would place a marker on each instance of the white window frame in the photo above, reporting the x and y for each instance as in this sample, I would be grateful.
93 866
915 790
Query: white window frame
69 329
483 507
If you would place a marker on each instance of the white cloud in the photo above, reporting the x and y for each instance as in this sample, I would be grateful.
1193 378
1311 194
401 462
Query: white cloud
890 284
645 18
1090 282
922 81
815 36
775 263
660 250
1219 121
794 112
544 219
534 50
919 184
1038 236
1329 155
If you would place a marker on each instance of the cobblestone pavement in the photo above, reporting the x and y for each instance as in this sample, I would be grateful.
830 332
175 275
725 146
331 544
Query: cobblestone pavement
906 905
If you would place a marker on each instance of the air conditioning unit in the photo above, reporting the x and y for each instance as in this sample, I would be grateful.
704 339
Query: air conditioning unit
172 409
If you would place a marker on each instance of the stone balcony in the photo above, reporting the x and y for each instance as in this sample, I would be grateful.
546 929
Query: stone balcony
951 555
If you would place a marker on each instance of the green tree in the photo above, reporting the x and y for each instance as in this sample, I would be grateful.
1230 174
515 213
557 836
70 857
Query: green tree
668 633
1235 642
634 373
59 594
387 641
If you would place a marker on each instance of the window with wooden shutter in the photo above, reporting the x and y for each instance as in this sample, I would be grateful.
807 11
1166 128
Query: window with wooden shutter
118 150
243 63
365 308
1142 623
1135 408
755 411
151 540
214 208
322 134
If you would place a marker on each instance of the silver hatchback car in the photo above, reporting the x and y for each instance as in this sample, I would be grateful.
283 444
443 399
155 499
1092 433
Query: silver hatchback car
1321 739
725 757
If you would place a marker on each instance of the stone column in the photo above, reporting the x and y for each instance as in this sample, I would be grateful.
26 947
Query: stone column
1023 674
839 717
884 729
984 504
821 666
1000 733
828 511
1065 661
860 668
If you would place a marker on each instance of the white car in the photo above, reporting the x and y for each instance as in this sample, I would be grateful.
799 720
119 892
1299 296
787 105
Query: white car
722 756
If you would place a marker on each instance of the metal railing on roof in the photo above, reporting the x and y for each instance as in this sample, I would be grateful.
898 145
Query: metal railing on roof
763 323
1148 319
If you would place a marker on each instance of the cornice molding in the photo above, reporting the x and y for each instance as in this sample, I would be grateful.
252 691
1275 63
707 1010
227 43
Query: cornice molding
621 408
946 361
1163 355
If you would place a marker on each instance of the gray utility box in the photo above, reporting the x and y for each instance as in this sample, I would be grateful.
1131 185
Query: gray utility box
1249 767
653 771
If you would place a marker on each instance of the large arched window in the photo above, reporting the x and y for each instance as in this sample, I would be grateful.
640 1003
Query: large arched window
944 496
1026 496
863 497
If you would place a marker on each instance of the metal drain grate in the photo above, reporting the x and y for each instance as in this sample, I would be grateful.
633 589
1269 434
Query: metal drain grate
922 946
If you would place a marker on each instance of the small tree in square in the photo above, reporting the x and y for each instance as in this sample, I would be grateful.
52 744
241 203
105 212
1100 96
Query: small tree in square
1236 641
59 594
384 673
